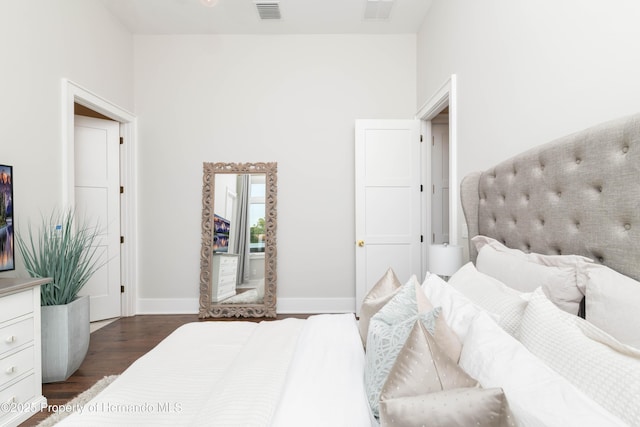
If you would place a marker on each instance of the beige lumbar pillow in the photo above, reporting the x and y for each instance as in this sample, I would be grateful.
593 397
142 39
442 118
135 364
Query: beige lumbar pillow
378 296
456 407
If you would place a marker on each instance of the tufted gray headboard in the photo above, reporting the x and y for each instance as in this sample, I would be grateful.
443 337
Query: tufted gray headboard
579 194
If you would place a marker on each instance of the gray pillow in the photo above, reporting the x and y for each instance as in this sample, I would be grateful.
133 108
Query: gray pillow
558 275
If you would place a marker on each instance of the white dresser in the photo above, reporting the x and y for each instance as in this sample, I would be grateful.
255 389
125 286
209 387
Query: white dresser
20 350
224 274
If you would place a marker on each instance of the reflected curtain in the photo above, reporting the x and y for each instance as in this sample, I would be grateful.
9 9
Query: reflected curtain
241 239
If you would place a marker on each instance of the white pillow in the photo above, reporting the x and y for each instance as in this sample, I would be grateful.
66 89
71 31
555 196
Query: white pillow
606 370
537 395
388 331
492 295
458 310
558 275
612 303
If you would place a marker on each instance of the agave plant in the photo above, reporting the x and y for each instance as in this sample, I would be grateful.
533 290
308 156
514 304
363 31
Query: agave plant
64 251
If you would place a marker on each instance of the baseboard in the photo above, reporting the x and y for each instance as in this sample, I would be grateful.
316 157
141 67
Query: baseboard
284 305
167 306
315 305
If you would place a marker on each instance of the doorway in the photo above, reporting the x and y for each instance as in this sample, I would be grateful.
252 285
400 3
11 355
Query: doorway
438 123
76 97
440 178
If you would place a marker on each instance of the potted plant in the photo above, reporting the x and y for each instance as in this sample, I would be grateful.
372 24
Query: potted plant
65 251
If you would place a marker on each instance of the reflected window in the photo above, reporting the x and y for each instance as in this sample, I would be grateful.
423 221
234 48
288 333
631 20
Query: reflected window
256 213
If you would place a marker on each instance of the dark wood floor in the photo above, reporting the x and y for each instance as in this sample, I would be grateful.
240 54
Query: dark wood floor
111 350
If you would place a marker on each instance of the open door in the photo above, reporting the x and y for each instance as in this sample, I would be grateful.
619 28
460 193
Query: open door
97 199
388 195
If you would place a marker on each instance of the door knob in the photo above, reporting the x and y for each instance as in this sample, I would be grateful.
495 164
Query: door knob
361 243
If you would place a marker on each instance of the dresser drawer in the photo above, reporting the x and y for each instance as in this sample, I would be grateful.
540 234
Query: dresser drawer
228 261
226 287
16 364
15 335
20 392
228 270
16 305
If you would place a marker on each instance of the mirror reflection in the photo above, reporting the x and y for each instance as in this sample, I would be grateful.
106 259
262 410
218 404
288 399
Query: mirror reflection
238 257
238 239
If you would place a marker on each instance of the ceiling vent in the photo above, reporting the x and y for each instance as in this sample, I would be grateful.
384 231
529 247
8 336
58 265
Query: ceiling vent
378 9
268 9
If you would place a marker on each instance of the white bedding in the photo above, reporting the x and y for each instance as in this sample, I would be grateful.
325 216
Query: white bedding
295 372
286 373
325 381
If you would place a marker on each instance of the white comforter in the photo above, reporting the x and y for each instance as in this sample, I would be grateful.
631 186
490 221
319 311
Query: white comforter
283 373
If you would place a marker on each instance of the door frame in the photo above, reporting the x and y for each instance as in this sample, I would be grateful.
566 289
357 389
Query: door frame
73 93
445 96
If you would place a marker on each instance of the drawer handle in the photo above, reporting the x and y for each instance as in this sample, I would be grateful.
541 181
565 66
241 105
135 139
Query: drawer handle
10 339
10 370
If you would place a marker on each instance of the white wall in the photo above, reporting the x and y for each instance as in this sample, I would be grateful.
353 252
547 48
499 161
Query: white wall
290 99
529 71
42 42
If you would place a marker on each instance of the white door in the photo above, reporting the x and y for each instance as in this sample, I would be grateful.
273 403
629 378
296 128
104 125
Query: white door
97 198
440 183
387 201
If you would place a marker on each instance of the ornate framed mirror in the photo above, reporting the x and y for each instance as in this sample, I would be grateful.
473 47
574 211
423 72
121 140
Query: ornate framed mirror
238 255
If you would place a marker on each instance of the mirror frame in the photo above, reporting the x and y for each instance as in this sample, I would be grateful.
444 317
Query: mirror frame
268 306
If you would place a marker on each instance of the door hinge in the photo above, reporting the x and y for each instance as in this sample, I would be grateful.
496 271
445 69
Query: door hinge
121 189
121 140
433 141
421 188
122 289
421 238
433 189
420 138
121 239
433 237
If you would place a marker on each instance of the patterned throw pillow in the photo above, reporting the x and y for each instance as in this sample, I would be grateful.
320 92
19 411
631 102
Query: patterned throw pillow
425 387
423 367
388 331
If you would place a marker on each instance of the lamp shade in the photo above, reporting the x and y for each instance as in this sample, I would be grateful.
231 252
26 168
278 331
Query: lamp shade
444 260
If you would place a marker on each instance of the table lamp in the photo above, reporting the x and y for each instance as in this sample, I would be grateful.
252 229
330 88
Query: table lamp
445 259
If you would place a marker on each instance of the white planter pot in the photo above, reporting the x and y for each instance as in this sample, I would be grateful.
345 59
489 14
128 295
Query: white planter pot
65 339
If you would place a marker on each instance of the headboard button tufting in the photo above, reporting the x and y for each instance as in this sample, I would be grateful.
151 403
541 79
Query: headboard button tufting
586 184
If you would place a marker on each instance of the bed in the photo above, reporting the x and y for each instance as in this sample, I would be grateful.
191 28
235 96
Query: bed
511 339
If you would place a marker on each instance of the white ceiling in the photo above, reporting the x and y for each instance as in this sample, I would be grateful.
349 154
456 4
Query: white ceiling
241 17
